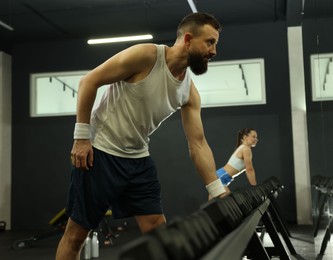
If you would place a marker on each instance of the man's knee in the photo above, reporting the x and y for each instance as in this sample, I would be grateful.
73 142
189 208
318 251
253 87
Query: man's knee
75 235
149 222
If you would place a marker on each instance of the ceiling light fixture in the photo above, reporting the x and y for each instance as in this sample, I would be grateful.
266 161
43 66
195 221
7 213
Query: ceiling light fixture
192 5
8 27
121 39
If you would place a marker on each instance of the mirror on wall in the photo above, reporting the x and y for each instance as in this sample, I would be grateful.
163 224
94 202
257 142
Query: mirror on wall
319 47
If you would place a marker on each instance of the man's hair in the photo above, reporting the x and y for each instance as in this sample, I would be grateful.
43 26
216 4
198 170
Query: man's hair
194 21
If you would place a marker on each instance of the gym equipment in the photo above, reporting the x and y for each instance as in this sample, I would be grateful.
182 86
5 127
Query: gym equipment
185 226
2 226
271 223
327 237
324 187
145 247
202 230
243 204
174 242
58 225
234 244
208 226
224 213
223 228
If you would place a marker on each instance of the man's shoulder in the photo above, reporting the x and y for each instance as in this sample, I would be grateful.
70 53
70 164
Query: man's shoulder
145 47
144 53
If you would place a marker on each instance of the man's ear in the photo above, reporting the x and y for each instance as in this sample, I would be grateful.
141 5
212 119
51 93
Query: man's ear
187 38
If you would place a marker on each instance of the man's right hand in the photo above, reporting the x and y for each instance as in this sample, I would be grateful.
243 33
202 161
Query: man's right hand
82 155
223 195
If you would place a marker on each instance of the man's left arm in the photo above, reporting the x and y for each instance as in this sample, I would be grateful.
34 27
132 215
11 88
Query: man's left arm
200 152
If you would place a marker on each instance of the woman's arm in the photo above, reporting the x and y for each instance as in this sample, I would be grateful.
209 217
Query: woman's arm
250 173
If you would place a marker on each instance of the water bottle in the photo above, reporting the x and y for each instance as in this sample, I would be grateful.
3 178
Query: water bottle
94 246
87 248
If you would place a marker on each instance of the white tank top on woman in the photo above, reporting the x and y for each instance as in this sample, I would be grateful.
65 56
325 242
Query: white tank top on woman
129 112
236 162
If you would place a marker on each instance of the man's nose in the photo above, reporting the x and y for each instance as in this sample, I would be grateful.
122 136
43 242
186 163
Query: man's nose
212 51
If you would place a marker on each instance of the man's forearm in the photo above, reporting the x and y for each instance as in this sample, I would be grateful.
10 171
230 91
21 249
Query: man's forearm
204 162
85 100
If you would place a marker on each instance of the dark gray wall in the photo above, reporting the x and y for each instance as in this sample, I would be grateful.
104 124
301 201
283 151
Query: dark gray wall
41 146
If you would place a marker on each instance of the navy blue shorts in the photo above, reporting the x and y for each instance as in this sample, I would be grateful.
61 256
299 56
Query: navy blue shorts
129 187
224 176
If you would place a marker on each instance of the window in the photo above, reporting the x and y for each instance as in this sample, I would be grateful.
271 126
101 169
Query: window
322 76
54 94
232 83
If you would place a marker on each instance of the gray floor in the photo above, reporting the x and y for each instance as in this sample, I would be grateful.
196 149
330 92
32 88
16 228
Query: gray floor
302 239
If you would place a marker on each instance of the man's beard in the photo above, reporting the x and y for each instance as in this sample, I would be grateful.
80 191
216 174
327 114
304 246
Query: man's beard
197 63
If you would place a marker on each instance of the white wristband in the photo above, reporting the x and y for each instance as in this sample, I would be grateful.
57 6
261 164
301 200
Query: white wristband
82 131
215 188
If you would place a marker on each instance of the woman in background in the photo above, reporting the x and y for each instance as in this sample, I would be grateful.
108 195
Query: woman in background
241 159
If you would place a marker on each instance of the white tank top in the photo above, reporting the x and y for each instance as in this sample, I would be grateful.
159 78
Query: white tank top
236 162
129 112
